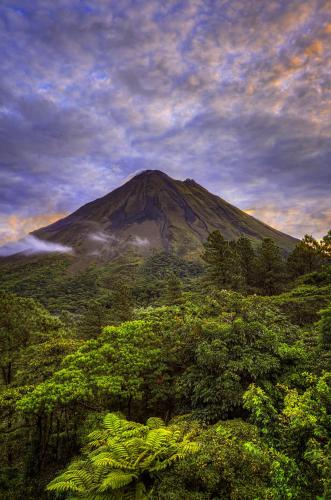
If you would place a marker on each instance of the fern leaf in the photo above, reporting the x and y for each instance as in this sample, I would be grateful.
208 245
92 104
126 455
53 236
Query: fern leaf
116 480
107 459
157 438
155 423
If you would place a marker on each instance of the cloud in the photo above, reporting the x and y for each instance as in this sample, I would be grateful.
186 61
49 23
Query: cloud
101 237
234 94
31 245
290 220
140 242
106 242
13 227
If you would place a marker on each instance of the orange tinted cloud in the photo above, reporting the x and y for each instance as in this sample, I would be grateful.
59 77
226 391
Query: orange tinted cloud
293 220
297 61
316 48
15 227
296 17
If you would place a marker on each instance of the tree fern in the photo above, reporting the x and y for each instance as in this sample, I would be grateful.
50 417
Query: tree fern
121 457
116 479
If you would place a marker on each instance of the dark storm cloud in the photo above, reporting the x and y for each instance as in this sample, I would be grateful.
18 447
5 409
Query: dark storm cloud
236 94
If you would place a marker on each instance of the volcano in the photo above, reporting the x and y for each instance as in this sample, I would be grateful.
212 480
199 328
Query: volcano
152 212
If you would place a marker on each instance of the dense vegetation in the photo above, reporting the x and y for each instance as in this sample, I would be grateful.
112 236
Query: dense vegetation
168 379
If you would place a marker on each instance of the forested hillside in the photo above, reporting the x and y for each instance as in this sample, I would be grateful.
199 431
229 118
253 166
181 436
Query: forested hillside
167 378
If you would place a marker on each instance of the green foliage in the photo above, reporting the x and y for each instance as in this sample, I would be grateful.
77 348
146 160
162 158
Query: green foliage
110 308
247 258
22 322
227 354
123 459
171 343
270 268
173 290
112 366
302 303
223 263
325 246
325 328
32 344
153 277
309 255
299 423
231 453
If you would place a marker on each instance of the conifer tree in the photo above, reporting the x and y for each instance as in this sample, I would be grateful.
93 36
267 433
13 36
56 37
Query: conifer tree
223 268
173 290
305 258
325 246
247 260
270 268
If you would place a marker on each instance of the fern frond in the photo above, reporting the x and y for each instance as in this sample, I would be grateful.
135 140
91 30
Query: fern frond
155 423
113 423
106 459
118 450
188 447
116 480
157 438
63 486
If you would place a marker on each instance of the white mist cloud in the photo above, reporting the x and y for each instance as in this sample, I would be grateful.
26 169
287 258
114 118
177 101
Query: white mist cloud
140 242
31 245
104 238
101 237
104 244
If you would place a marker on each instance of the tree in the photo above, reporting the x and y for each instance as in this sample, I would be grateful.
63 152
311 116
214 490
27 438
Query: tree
32 345
110 308
247 260
111 369
22 322
123 459
226 356
172 290
233 462
305 258
270 268
223 268
325 246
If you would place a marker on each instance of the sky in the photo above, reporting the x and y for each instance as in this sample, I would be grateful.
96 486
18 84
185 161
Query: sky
233 93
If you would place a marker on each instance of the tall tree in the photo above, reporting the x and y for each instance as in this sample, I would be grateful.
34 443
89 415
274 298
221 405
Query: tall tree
22 322
223 268
172 290
326 246
305 258
270 268
247 260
